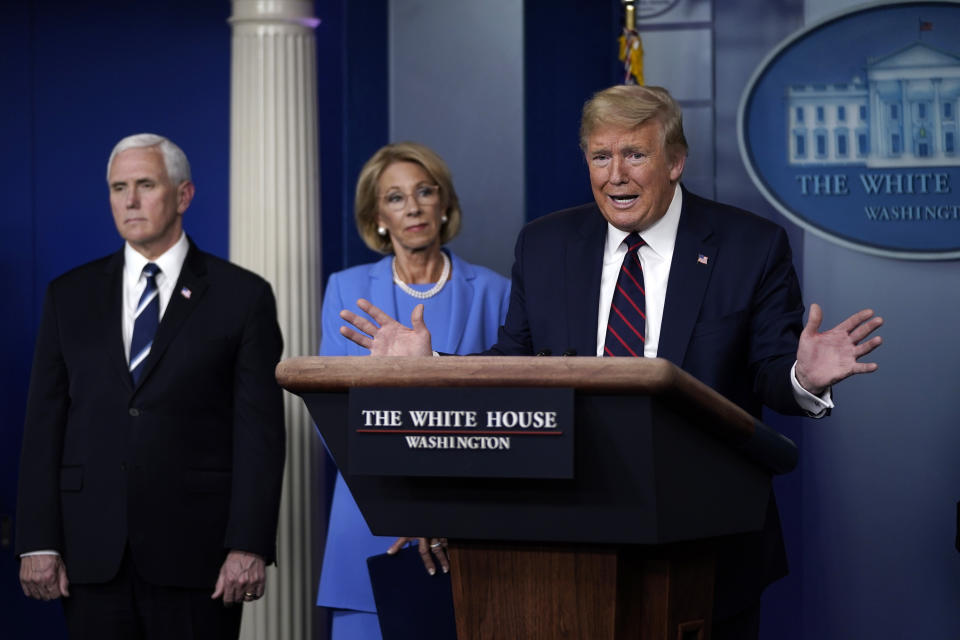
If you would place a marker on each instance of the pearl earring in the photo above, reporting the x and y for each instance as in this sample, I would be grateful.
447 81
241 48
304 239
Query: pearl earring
382 231
443 220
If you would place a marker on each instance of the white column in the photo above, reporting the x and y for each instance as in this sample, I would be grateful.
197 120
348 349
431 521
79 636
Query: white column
875 117
906 118
274 231
936 147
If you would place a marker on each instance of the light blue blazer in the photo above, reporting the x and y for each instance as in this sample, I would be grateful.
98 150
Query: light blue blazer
480 299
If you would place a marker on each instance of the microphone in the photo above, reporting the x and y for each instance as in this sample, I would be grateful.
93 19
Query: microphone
569 352
544 352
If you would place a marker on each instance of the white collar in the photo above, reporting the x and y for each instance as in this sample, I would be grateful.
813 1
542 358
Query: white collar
170 261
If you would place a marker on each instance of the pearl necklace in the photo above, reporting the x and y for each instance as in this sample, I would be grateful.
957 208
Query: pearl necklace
432 291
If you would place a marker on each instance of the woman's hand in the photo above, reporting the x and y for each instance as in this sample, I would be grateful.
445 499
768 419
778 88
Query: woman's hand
430 548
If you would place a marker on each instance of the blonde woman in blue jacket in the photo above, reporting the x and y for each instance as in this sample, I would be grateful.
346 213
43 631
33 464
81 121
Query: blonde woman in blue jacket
405 207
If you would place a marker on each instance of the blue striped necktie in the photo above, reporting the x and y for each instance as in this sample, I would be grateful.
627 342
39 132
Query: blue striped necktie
145 322
627 323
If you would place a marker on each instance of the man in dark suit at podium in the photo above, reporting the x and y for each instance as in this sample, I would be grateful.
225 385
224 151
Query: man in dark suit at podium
650 269
153 449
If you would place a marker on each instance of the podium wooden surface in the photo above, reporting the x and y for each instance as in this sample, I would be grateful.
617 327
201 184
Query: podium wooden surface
625 549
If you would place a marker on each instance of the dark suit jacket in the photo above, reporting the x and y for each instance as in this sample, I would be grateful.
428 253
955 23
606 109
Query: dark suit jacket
733 322
182 467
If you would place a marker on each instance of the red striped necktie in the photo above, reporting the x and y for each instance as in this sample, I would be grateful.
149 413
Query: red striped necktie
627 323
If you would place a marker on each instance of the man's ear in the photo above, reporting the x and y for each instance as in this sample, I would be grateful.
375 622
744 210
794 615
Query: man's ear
676 166
185 192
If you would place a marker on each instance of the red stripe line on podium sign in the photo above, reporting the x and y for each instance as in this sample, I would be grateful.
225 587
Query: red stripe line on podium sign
504 431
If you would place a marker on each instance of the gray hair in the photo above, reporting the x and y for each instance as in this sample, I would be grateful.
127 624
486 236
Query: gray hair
174 159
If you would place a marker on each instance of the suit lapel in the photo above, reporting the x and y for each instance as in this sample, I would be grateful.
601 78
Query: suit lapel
181 305
583 263
694 257
111 301
461 289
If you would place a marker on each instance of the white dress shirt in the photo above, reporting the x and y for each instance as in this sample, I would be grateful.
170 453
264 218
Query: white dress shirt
134 282
656 255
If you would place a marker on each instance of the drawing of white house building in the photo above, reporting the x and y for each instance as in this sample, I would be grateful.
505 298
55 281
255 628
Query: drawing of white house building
905 114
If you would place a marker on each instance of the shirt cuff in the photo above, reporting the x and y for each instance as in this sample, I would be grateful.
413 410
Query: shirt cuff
815 406
42 552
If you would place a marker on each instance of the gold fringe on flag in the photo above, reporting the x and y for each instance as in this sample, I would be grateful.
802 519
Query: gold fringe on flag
631 48
631 55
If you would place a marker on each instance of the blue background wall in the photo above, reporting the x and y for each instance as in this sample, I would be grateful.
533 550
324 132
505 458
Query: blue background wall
77 77
881 477
869 512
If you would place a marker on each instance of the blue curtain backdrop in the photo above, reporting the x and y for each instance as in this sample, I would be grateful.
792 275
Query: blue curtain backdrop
76 77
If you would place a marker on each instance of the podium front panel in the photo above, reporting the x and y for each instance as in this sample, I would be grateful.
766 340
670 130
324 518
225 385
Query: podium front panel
643 474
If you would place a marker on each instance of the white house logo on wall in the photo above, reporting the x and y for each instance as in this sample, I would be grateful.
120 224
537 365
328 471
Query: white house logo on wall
851 128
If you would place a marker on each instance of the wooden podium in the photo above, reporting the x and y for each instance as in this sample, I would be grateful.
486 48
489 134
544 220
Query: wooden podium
663 465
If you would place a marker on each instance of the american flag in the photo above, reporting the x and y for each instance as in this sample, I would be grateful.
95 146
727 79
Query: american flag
185 293
702 259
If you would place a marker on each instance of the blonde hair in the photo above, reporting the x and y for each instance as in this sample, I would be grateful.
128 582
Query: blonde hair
367 200
629 106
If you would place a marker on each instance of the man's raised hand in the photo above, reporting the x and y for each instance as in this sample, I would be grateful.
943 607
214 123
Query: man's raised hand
825 358
384 336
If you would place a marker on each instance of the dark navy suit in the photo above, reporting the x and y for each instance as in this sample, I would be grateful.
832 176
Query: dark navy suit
177 469
732 318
